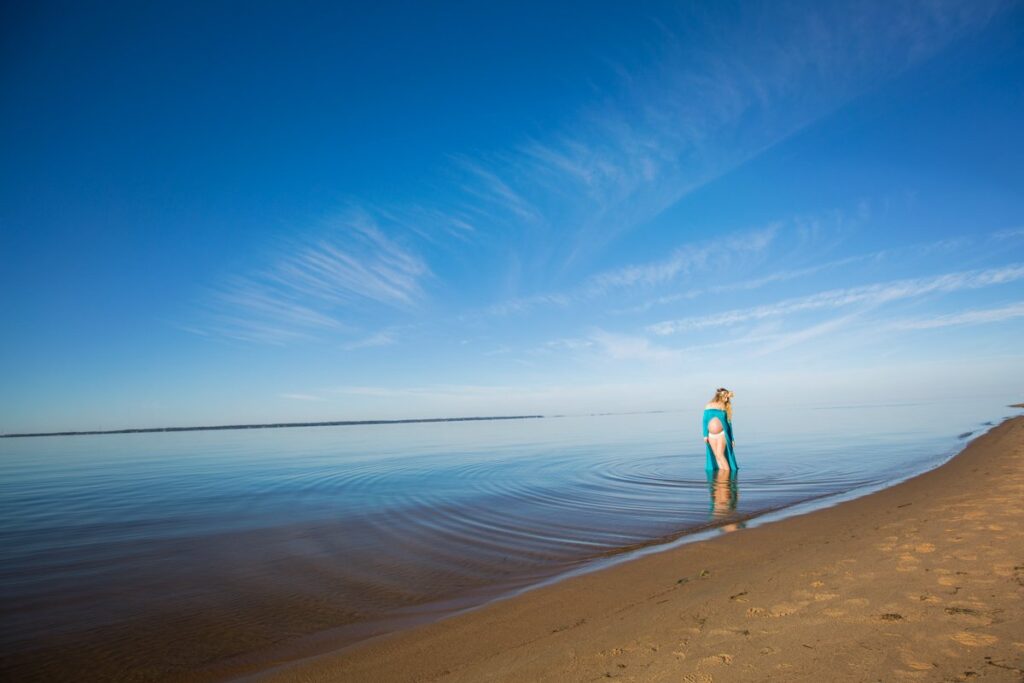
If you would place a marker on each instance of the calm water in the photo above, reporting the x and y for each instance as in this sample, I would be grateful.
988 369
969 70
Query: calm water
142 556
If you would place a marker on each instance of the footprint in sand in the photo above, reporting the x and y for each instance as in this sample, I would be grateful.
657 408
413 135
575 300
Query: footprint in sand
904 675
916 664
783 609
697 678
907 563
967 616
974 639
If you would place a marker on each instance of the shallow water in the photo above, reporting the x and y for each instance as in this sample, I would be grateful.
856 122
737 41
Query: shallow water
137 556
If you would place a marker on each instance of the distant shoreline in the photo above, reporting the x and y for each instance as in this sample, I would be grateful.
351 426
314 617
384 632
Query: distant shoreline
276 425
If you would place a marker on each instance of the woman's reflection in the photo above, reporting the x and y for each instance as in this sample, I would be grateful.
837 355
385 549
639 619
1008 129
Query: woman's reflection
725 494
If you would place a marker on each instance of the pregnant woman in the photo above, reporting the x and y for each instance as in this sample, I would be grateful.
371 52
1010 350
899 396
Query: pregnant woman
718 437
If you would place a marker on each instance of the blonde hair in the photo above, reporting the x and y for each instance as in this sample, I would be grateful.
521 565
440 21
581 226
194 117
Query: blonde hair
724 396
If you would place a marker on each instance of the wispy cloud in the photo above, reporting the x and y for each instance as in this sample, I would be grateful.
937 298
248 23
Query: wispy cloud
521 304
487 185
567 344
1009 234
632 347
704 102
438 391
683 260
875 294
753 283
477 399
791 274
302 397
355 261
385 338
431 224
703 98
699 101
824 328
974 317
313 286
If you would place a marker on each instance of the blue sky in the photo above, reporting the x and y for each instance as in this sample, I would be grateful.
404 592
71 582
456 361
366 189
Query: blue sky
225 213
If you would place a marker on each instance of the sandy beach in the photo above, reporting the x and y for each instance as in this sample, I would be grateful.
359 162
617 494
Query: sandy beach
921 581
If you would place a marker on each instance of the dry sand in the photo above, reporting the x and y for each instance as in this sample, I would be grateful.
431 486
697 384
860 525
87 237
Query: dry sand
922 581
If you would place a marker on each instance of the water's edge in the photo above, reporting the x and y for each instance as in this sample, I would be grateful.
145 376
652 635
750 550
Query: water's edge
611 559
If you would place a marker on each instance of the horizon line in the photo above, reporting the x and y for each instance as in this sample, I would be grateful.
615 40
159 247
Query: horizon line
271 425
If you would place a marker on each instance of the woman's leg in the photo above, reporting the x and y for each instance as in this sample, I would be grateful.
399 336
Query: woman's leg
718 448
716 431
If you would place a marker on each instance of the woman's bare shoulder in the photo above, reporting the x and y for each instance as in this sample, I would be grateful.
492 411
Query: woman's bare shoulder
714 405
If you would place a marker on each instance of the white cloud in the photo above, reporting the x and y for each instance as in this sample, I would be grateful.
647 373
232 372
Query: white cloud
870 295
490 188
632 347
356 260
890 254
449 400
715 97
1009 234
568 344
522 304
683 260
314 285
975 317
385 338
821 329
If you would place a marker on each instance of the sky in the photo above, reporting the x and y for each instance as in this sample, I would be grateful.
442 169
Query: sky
218 212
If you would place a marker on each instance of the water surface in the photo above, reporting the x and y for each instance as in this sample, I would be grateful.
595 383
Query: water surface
142 556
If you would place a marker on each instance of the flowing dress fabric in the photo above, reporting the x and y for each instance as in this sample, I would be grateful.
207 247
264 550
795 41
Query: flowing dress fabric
712 464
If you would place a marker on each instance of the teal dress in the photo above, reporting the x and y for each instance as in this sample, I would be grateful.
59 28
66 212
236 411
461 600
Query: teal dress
712 464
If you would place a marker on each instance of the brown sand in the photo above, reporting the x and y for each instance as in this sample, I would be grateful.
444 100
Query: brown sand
922 581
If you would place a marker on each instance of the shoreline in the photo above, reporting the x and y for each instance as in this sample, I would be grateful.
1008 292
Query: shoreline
527 639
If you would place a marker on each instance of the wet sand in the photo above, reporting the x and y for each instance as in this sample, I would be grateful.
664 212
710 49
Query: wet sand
921 581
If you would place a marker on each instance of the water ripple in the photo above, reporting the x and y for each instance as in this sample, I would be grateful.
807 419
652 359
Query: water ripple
108 537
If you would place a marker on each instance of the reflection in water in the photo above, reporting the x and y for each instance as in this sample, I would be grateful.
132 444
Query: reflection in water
725 493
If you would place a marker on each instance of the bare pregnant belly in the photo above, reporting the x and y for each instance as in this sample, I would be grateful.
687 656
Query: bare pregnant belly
715 426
